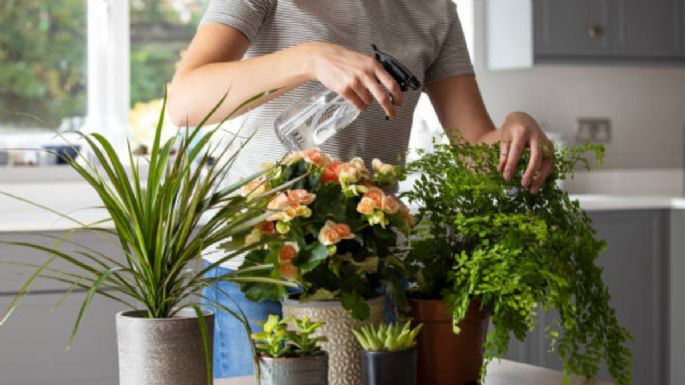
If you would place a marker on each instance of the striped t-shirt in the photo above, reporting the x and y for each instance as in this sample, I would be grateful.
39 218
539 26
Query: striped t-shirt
425 35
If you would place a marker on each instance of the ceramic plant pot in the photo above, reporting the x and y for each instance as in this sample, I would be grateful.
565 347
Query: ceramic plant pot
162 351
445 358
389 368
344 366
294 371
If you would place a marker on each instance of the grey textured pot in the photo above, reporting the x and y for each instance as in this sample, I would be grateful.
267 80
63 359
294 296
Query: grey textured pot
344 366
293 371
162 351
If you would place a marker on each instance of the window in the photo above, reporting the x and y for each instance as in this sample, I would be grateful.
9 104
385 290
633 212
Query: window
42 64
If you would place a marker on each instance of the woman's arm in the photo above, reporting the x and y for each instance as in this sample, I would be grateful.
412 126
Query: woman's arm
461 111
213 65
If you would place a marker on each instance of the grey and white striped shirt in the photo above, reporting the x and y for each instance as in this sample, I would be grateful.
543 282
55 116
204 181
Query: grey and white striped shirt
425 35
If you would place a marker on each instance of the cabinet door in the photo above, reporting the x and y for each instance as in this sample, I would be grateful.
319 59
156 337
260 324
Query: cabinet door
571 28
33 342
648 28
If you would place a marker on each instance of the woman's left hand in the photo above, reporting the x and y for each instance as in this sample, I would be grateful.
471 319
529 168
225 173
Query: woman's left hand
518 132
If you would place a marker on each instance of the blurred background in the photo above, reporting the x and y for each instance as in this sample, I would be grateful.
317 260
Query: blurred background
602 71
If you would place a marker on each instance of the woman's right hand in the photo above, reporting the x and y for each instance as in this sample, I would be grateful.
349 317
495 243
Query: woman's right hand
355 76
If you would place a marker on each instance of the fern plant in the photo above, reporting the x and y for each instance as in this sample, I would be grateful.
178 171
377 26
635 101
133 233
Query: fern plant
483 238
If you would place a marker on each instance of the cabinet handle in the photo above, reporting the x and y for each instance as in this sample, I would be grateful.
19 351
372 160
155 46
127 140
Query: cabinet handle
595 31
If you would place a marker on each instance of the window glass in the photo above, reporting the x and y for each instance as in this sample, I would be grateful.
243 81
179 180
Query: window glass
42 64
160 31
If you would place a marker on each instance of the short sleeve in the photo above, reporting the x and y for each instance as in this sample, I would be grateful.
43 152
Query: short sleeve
247 16
453 58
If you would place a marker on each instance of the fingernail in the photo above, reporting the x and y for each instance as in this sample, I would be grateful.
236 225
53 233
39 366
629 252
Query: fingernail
525 182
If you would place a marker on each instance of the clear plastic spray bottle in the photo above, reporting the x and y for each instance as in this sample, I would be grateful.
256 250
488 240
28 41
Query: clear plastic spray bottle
317 117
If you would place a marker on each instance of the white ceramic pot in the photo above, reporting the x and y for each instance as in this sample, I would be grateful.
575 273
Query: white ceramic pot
344 366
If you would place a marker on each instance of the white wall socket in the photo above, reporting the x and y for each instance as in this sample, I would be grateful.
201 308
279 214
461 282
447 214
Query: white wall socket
595 130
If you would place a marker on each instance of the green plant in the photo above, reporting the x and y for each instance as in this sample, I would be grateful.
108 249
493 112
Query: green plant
277 341
162 225
389 338
333 231
483 238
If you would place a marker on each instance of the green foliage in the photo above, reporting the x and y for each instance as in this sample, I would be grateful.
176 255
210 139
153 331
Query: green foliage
162 224
43 55
388 338
42 60
481 237
277 341
315 235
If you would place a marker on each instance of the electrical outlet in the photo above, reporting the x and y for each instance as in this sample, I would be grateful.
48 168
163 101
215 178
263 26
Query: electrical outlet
595 130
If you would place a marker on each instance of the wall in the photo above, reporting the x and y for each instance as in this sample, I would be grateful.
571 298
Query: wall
646 104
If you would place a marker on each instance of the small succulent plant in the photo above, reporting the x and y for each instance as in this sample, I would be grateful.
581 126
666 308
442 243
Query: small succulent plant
387 337
277 341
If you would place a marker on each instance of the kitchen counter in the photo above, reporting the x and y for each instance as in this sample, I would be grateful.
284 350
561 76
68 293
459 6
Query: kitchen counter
79 201
499 373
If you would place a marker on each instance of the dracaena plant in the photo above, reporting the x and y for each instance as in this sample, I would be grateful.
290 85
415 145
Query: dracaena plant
334 231
387 337
483 238
162 224
276 341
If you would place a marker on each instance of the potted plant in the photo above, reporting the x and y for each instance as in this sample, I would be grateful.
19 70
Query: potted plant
335 233
389 356
485 247
163 224
290 357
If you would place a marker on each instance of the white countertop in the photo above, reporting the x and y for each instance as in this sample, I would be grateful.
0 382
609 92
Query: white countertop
79 201
499 373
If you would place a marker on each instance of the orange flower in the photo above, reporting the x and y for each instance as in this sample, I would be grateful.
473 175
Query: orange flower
390 205
366 206
348 174
280 202
288 252
301 196
330 174
288 271
359 164
332 233
267 227
315 157
376 195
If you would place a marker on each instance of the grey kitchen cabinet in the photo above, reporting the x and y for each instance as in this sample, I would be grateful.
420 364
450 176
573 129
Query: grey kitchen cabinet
636 270
651 29
608 30
524 33
571 28
33 341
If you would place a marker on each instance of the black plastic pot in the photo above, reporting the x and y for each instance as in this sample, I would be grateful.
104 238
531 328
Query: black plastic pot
389 368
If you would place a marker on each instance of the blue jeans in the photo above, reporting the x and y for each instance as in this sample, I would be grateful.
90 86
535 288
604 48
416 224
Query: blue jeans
232 350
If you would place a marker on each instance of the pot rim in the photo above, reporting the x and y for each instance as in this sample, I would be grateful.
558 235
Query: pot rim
184 314
308 358
331 303
388 353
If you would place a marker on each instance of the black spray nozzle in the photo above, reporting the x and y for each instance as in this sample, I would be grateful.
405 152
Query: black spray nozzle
402 74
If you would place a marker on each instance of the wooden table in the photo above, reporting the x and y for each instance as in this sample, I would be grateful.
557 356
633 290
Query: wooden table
502 373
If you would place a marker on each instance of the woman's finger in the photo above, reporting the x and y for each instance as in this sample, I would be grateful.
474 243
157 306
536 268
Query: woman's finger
381 96
515 151
503 154
543 174
391 85
363 93
351 96
536 156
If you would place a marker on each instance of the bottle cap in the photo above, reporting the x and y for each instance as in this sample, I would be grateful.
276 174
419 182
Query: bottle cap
404 77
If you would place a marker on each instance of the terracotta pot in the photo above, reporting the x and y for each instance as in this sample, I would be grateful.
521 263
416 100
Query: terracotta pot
446 358
344 365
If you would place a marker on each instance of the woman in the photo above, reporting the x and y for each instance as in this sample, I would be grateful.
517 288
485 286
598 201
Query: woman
249 46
